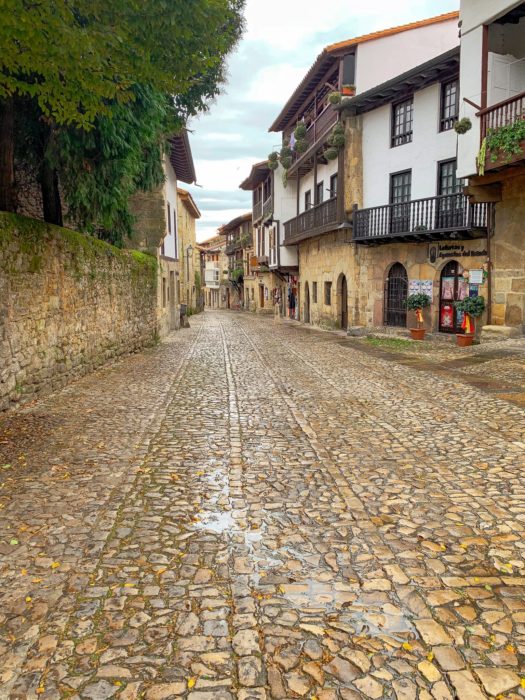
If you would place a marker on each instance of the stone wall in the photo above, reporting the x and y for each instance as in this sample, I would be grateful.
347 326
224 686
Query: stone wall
68 303
508 255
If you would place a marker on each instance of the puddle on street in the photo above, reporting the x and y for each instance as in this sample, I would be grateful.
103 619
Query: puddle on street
217 522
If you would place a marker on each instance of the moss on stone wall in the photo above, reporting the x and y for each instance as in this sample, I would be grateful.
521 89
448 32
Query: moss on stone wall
70 302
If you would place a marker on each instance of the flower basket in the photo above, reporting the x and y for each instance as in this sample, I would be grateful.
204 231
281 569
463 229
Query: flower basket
334 98
462 125
331 153
300 131
348 90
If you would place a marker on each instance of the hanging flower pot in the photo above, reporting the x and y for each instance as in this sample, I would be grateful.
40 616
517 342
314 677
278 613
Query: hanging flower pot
334 98
300 131
348 90
331 153
301 146
462 125
273 164
273 157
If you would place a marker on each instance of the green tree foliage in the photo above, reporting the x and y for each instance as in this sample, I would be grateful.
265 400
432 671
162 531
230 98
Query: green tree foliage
87 83
78 57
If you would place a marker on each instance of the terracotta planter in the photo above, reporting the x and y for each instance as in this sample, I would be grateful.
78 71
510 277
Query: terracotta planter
464 340
348 92
417 333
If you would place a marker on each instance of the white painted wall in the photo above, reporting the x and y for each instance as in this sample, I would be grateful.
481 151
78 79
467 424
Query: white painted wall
285 202
170 193
474 13
324 173
428 147
387 57
506 76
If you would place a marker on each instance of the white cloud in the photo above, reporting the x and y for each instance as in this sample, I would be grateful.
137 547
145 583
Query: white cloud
275 84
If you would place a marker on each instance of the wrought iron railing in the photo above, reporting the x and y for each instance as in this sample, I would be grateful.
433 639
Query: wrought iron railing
317 218
502 114
419 217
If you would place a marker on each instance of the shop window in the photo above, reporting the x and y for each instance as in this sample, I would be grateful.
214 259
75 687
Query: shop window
314 292
449 104
402 119
328 293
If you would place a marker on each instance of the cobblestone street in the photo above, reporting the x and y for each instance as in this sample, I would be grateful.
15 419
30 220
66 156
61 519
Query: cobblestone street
255 511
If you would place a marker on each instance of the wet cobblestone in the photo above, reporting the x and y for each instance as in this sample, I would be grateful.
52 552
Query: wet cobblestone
253 511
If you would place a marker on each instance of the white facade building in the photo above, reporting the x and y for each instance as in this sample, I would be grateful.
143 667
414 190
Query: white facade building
492 70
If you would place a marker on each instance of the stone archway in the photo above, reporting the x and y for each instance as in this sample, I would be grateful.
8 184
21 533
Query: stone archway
396 292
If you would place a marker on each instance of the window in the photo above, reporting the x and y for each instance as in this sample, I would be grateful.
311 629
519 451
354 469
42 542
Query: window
162 250
449 104
450 211
169 218
402 122
314 292
176 236
328 293
307 200
333 186
319 192
164 292
400 191
447 182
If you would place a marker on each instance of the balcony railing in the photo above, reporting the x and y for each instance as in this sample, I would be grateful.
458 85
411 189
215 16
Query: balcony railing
321 125
257 210
267 209
502 114
317 220
421 219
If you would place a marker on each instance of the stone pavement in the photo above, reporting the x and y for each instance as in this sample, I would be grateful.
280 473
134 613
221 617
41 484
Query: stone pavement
254 511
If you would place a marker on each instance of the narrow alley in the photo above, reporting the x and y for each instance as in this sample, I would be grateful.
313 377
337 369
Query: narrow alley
253 511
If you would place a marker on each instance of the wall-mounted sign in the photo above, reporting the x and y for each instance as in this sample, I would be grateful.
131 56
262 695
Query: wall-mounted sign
443 251
476 276
420 287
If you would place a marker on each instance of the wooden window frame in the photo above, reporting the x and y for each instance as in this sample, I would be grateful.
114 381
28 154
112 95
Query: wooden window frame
314 292
328 294
406 136
447 123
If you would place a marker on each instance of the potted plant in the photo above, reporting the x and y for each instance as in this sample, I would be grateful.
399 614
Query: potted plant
471 308
301 146
331 153
418 302
300 131
334 98
348 90
462 125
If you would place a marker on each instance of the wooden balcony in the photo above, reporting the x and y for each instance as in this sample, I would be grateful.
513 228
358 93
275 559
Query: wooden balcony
497 116
257 211
318 220
267 208
430 219
316 134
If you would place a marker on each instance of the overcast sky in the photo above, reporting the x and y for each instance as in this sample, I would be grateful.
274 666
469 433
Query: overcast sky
282 40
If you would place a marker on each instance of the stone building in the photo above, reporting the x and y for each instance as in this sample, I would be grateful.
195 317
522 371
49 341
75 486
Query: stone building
238 237
157 230
322 174
215 267
189 258
274 267
413 229
493 99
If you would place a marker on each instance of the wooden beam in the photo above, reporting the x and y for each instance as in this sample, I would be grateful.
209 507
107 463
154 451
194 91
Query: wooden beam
479 194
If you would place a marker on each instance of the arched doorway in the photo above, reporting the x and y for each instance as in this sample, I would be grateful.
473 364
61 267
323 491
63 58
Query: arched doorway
453 287
342 297
396 291
306 303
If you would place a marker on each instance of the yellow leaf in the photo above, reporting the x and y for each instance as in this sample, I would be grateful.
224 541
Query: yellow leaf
55 565
200 473
191 682
28 599
280 589
23 572
430 656
407 646
129 585
510 648
36 580
117 683
522 682
41 689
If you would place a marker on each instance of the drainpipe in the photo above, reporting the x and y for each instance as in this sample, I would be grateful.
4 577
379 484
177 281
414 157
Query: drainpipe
491 227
